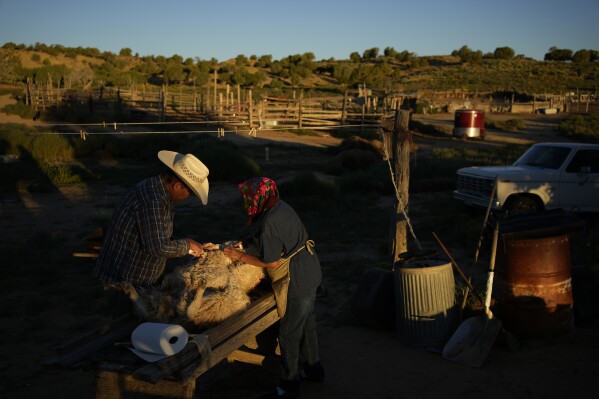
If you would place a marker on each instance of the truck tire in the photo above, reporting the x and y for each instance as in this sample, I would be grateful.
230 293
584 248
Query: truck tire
522 204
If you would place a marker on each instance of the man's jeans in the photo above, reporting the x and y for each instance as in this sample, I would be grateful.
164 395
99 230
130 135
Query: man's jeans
297 335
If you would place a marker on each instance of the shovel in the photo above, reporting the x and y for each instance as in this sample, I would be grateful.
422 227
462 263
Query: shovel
472 341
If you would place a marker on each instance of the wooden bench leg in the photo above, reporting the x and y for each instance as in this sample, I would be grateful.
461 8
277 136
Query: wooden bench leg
261 350
112 385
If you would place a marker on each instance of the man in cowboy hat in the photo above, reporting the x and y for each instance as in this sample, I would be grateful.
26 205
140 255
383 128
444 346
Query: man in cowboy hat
139 239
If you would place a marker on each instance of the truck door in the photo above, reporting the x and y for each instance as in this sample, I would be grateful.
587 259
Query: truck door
579 183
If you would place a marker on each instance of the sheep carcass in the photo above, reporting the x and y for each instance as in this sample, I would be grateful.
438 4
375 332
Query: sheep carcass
202 293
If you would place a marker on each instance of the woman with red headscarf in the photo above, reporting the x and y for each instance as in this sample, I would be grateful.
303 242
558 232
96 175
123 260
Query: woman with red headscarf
279 242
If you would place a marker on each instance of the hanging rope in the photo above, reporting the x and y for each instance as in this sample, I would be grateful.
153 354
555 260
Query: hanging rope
397 195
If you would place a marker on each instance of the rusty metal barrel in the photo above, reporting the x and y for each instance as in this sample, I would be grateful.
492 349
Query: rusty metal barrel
533 274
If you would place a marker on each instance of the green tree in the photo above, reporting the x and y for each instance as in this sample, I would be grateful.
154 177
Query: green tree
556 54
241 77
371 54
10 66
276 84
504 53
295 79
467 55
309 56
276 68
343 73
174 73
199 75
241 60
264 61
175 59
355 57
582 56
404 56
390 52
125 52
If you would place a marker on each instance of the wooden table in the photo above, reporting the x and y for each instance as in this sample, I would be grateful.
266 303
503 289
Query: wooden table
121 374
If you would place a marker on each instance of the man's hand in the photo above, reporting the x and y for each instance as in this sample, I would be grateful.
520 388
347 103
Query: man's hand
195 248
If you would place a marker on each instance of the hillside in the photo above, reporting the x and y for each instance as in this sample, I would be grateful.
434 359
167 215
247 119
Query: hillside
397 72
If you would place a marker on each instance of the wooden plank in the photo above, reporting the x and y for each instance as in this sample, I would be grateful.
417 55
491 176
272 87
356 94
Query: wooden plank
90 336
236 322
225 334
74 353
194 371
251 358
111 385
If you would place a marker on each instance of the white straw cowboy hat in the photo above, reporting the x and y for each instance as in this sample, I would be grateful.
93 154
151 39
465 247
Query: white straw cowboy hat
190 170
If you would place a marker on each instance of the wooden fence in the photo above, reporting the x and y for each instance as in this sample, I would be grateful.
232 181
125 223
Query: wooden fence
236 106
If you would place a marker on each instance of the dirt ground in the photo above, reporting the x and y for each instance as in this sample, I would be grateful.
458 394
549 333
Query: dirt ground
359 361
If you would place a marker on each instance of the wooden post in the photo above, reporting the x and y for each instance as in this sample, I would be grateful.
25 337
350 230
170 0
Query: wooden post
220 106
163 96
344 109
250 106
299 112
363 115
401 155
215 77
28 93
195 99
50 87
238 98
228 92
588 100
40 92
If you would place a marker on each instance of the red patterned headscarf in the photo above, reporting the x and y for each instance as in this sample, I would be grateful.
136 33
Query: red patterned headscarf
258 194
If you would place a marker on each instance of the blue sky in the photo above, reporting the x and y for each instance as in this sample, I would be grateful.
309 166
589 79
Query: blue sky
223 29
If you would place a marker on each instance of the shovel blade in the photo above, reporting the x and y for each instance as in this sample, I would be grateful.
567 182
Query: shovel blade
471 343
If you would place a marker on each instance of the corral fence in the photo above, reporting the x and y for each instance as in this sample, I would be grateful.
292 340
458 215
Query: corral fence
509 102
228 105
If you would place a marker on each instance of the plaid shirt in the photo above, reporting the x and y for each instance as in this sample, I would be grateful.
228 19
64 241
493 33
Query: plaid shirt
138 241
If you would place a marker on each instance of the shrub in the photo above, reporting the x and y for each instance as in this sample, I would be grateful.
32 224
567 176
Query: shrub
430 130
21 109
581 126
510 125
49 147
15 140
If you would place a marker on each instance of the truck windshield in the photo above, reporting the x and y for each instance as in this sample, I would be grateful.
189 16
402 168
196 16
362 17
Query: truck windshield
546 157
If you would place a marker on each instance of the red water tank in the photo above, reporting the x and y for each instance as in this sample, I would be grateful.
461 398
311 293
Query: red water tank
469 123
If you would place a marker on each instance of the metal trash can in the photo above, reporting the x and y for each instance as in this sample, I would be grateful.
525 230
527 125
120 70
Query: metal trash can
426 312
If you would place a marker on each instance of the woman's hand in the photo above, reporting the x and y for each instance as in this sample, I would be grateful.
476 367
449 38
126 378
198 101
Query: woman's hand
210 246
233 253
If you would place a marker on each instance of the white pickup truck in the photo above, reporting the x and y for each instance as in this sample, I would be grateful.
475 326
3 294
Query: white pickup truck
546 176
